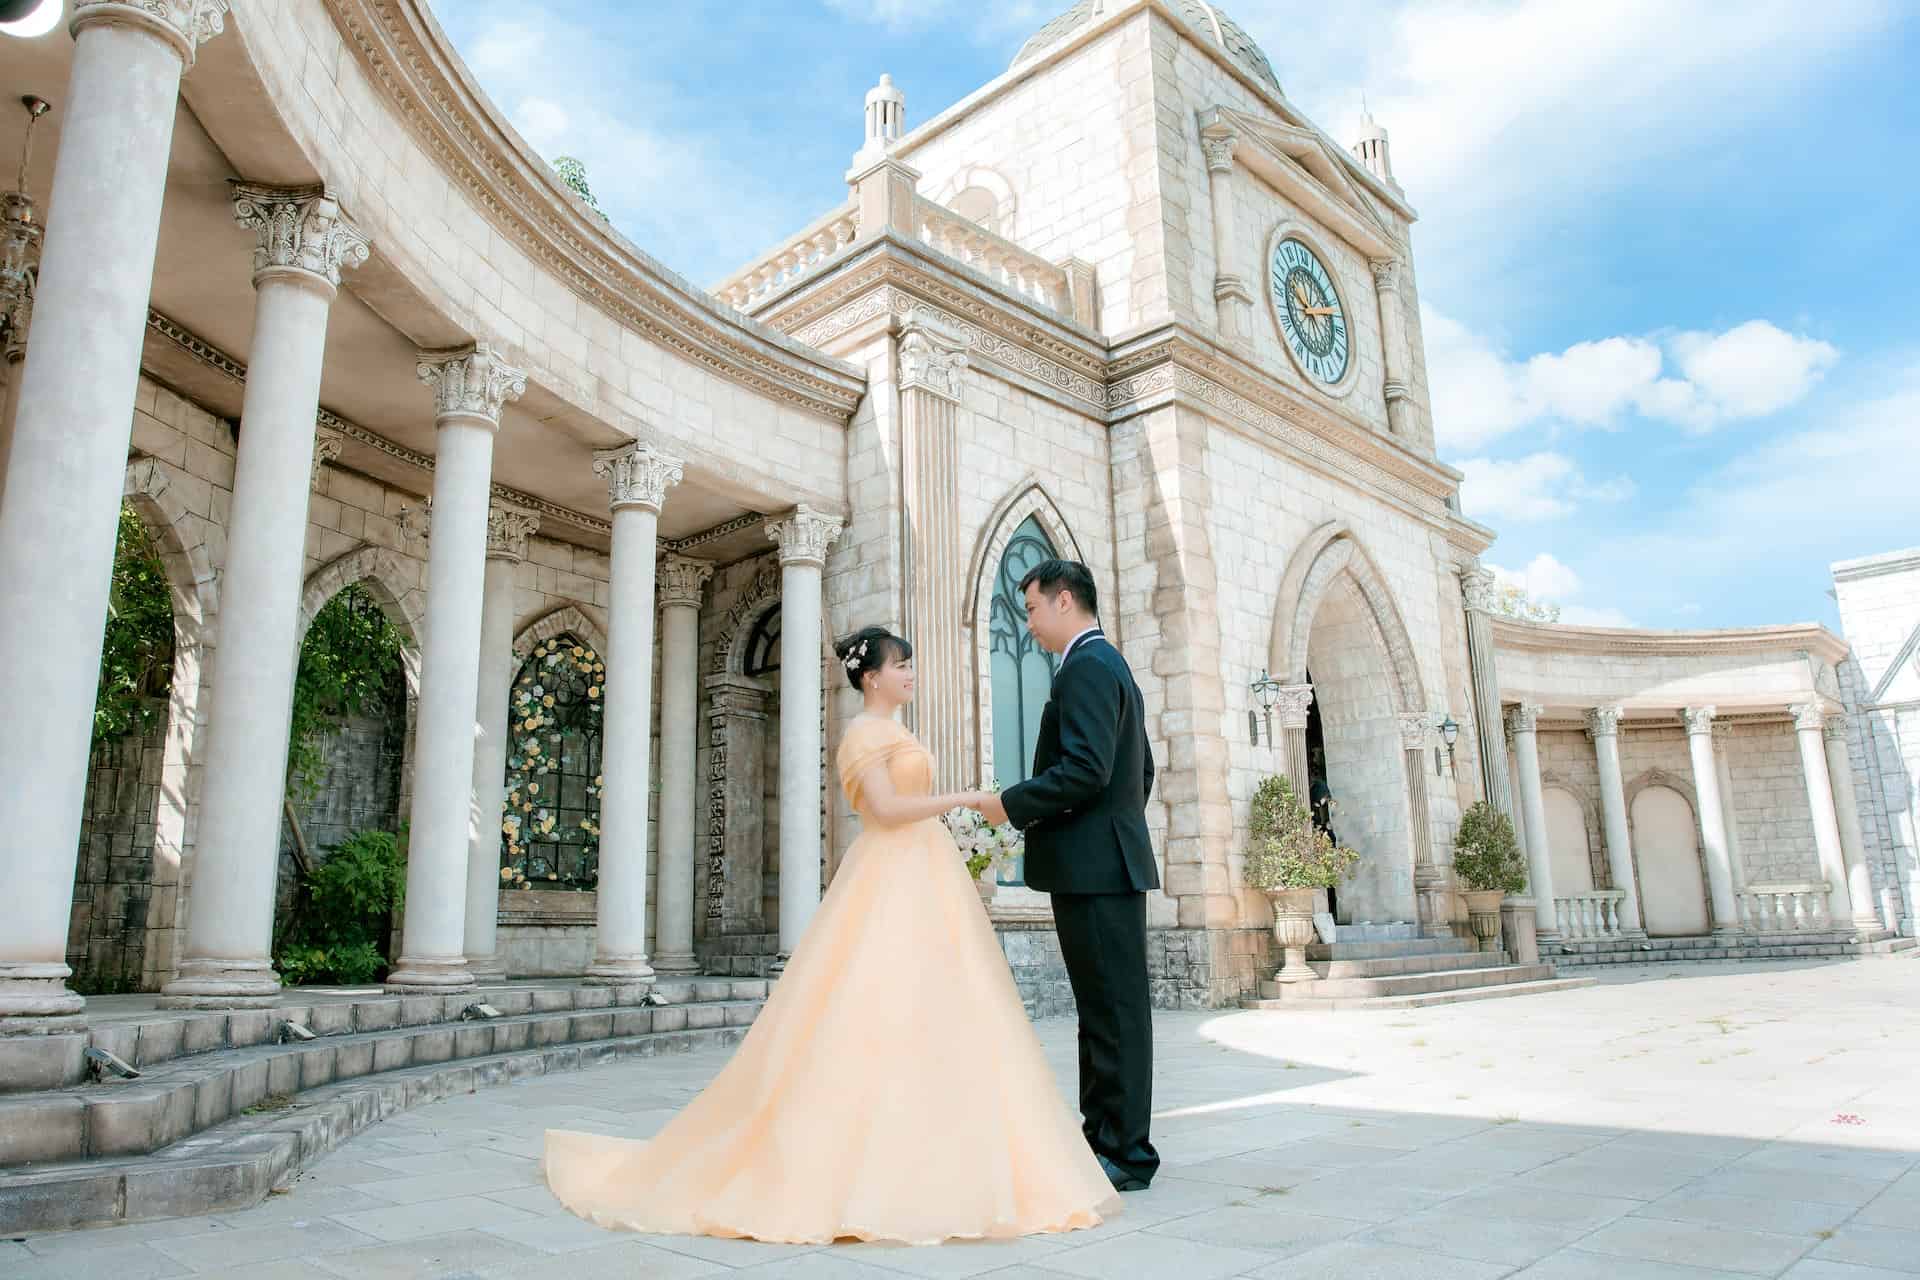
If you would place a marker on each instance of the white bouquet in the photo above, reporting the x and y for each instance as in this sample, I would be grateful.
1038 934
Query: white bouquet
981 843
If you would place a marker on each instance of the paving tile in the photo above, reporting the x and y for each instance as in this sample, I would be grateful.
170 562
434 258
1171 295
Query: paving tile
1445 1230
563 1234
1575 1174
1815 1269
63 1242
1881 1166
1357 1260
1262 1225
432 1218
535 1200
230 1248
954 1260
1751 1213
1253 1171
444 1186
625 1260
1886 1247
732 1253
1521 1201
1769 1185
1146 1254
816 1266
112 1262
1897 1206
1579 1264
1691 1243
279 1269
1359 1196
457 1253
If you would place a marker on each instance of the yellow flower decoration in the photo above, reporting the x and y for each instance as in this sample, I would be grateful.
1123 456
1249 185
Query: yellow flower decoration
594 692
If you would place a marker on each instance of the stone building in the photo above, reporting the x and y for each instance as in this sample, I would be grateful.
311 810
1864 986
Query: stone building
304 298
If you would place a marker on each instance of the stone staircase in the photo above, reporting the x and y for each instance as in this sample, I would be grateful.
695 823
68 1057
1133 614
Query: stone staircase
228 1104
1388 967
1589 953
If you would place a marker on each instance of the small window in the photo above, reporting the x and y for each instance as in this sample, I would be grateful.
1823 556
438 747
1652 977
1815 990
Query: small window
763 645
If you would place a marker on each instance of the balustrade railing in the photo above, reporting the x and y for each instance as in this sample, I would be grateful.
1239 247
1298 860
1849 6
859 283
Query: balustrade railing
1006 263
826 238
1589 917
1786 907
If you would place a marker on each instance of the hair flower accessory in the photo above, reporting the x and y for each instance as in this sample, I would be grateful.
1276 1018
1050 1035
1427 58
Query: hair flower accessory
856 656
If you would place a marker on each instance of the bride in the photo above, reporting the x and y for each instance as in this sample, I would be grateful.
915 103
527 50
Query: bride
892 1088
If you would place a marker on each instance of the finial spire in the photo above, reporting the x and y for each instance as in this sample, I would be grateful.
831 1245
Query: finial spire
886 117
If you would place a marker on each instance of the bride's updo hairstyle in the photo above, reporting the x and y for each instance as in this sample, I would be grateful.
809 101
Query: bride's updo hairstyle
869 649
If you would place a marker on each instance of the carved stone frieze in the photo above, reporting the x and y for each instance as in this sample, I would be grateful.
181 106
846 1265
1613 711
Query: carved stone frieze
804 536
298 229
637 475
471 383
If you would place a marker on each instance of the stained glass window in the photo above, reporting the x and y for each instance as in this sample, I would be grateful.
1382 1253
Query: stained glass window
763 644
550 835
1022 670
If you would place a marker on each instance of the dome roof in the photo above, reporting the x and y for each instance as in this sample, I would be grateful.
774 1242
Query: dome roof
1209 21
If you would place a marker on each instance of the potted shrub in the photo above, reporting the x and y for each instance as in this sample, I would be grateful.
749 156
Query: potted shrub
1486 857
1288 858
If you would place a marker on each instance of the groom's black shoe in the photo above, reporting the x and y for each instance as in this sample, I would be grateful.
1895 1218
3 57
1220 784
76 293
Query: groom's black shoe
1120 1178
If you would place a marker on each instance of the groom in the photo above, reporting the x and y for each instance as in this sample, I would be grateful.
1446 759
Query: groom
1084 815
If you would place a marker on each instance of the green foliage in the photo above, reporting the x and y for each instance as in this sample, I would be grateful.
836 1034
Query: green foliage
136 657
1485 853
339 929
349 666
574 174
1512 600
1284 849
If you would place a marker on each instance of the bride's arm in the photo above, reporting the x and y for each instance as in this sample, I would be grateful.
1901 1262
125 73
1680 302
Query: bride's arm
889 808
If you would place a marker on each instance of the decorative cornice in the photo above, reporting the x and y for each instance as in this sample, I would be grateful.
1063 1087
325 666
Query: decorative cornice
1524 717
1603 722
804 536
1698 720
470 383
1795 638
508 529
928 366
725 529
637 475
196 346
1292 705
1808 715
404 54
184 24
298 230
682 581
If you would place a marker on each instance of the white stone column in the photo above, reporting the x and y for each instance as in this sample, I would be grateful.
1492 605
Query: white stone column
1603 726
803 539
470 388
683 584
1393 344
68 458
1291 709
1232 300
930 380
1523 725
1476 588
1729 807
1809 721
1846 811
302 242
638 477
508 529
1713 818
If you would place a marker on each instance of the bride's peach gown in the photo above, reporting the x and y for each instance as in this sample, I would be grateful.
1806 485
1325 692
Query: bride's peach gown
892 1088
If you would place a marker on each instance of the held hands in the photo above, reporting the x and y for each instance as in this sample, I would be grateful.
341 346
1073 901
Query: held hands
990 807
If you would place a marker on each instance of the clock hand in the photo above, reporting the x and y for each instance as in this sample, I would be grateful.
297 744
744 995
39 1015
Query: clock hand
1317 311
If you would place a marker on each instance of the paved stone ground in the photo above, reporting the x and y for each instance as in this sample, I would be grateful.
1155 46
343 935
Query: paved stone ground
1690 1122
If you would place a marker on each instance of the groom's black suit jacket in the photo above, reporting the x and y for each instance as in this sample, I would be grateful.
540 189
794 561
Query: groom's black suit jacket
1084 810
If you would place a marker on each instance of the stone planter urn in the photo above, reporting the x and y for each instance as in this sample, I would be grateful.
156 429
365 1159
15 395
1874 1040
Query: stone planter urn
1293 930
1483 915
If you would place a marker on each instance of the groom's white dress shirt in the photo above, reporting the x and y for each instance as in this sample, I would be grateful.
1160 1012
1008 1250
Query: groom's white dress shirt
1093 630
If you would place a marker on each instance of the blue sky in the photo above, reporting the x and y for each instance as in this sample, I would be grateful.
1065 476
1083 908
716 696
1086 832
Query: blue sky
1666 248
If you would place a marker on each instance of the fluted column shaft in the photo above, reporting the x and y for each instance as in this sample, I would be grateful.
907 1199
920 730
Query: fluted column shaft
930 377
302 243
1846 811
1713 818
470 389
638 478
508 529
1393 344
682 586
1477 588
61 517
1430 880
1291 709
1729 809
803 539
1523 723
1232 300
1603 726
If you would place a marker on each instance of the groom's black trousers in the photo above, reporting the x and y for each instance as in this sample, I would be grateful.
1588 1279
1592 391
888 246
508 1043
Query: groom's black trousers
1103 939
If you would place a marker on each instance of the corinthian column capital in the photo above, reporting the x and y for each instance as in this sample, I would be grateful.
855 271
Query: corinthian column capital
471 382
637 475
298 231
1292 705
1219 152
1477 585
1416 728
804 536
184 24
1603 722
1808 715
929 366
683 581
1524 717
1386 274
508 528
1698 719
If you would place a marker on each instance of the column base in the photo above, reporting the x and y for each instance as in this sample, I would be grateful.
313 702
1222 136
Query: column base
618 971
34 1000
1729 931
677 964
429 975
222 984
487 968
1866 924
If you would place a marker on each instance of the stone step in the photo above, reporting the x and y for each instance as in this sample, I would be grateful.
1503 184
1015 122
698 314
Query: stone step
1396 966
1369 932
188 1095
1588 954
1388 949
1322 1004
234 1165
1413 984
148 1037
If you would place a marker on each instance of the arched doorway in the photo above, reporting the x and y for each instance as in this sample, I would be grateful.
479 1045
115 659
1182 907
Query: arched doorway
1673 890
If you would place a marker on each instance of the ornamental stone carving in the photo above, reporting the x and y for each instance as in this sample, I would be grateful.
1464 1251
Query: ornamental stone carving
1808 715
1835 728
637 475
326 448
1698 719
1219 152
1292 705
1416 727
297 230
1524 717
508 529
804 536
1477 586
682 581
1603 722
472 382
186 24
930 367
1386 274
19 252
416 522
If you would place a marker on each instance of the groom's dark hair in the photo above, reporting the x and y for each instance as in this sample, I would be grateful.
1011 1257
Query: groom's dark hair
1053 576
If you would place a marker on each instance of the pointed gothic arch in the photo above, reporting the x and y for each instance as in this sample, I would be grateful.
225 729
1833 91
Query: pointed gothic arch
1330 554
393 581
567 619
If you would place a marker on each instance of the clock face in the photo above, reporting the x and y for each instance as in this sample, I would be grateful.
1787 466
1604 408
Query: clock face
1312 320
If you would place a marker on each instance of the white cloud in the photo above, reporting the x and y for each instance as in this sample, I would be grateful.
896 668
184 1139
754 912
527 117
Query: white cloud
1549 580
1539 486
1694 380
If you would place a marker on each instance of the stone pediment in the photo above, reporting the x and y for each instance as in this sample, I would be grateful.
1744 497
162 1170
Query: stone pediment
1316 176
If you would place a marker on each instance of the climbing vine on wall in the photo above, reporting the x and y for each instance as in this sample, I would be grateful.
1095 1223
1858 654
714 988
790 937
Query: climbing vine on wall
136 656
350 665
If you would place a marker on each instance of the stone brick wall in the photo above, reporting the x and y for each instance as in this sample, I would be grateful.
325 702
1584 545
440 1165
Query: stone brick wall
359 790
113 884
1879 600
